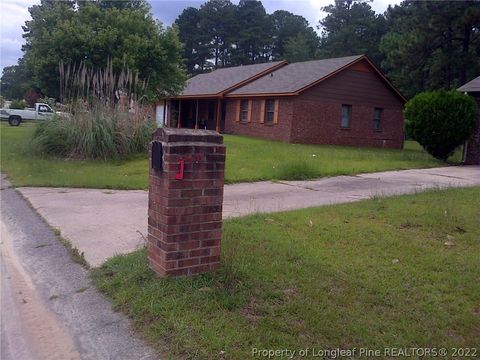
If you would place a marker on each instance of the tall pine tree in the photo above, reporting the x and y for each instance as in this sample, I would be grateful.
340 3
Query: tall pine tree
287 28
254 33
351 27
432 45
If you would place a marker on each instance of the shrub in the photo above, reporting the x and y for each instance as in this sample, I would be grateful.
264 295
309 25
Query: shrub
440 121
49 101
2 101
109 119
101 133
18 104
31 97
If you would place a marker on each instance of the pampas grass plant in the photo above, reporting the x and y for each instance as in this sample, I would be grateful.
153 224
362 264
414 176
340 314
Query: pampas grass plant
108 117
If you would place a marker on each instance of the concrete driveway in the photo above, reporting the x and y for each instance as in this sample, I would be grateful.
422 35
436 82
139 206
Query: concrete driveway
103 223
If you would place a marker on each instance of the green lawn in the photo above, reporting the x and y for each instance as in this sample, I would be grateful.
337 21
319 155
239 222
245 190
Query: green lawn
374 274
248 159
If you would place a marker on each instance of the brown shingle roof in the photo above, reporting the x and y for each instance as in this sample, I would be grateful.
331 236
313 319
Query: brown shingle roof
220 80
471 86
294 77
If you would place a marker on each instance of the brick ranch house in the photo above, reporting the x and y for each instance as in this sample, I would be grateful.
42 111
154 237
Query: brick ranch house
341 101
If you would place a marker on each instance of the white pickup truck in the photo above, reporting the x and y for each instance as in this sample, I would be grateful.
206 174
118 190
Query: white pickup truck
15 116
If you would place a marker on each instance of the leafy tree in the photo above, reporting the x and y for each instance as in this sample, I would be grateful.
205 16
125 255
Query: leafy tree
432 44
223 34
254 33
351 28
440 121
208 34
95 32
196 44
142 5
31 97
217 24
287 26
297 48
16 81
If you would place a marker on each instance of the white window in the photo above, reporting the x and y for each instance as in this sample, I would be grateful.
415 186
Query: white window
269 111
244 110
44 108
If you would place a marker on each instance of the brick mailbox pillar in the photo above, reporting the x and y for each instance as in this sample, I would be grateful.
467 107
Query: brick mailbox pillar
185 201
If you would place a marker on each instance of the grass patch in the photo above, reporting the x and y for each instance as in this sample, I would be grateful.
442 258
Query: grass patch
251 159
25 168
376 274
300 170
75 254
248 159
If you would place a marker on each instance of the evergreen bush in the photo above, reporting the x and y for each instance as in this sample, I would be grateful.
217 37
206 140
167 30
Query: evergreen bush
440 121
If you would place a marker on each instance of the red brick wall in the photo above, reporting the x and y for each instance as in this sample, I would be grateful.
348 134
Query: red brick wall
319 123
280 131
317 112
314 116
185 215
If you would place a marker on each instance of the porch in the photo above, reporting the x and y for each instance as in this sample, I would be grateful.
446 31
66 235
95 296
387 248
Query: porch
197 114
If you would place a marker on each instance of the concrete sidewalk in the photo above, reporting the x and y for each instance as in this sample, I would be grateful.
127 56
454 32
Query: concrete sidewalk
102 223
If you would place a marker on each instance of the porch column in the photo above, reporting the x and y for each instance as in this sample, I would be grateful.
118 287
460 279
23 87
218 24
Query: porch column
179 125
196 114
219 114
165 121
169 113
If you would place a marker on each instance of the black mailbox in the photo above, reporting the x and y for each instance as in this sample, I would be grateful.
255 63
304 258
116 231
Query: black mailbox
157 155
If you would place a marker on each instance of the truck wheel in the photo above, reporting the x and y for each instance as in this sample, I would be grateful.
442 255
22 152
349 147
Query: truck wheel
14 120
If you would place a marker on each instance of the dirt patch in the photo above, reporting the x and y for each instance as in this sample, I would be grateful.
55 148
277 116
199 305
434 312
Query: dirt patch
250 311
409 226
30 324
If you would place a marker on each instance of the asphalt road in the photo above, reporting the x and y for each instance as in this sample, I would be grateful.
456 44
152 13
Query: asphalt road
49 308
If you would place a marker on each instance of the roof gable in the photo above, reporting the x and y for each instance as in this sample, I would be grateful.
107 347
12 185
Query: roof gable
471 86
222 80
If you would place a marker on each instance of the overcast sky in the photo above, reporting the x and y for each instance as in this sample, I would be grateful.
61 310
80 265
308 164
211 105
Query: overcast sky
14 13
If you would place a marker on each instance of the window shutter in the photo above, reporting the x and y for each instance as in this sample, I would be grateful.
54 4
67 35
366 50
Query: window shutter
249 111
262 112
237 118
275 114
